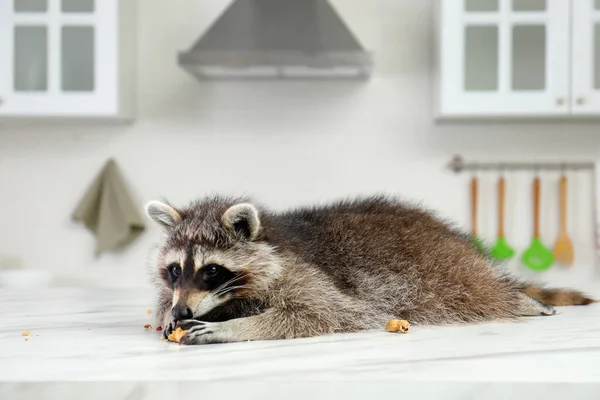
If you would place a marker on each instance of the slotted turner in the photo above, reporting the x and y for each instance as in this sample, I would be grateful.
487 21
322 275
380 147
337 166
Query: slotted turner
474 192
501 249
563 248
537 256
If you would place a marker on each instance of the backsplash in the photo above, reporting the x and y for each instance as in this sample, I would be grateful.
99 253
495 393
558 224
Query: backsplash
285 143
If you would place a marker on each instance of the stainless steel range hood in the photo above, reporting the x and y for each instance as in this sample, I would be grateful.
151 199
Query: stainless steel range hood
277 39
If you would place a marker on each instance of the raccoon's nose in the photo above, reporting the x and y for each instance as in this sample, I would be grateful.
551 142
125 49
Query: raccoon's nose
181 313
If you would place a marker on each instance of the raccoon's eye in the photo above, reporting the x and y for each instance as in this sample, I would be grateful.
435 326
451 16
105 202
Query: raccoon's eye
174 271
211 271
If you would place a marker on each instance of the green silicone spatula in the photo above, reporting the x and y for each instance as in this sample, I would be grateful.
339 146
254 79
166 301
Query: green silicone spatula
537 257
474 238
501 249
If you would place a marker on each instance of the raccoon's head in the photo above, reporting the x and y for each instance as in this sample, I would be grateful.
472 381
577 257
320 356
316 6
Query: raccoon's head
212 252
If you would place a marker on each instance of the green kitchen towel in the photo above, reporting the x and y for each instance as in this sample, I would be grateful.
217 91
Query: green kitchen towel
108 210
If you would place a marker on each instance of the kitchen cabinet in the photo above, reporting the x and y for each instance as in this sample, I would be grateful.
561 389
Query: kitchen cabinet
518 58
67 59
586 57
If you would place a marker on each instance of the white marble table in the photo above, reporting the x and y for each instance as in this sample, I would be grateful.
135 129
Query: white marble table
92 343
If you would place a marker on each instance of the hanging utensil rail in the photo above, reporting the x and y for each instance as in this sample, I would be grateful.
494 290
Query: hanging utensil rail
458 164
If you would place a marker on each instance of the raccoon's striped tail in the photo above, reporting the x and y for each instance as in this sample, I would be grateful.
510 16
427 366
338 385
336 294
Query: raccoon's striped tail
557 296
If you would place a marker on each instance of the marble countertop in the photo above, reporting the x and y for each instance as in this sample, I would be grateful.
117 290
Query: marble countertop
85 339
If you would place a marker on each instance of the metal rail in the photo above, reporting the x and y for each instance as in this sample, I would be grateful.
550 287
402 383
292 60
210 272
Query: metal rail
458 164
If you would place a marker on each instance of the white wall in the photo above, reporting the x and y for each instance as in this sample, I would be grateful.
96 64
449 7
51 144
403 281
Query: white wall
286 143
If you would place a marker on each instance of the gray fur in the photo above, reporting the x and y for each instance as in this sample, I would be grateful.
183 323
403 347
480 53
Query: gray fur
343 267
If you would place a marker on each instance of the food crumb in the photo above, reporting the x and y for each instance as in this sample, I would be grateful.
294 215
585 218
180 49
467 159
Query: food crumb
27 339
148 311
397 325
26 333
176 335
147 326
159 328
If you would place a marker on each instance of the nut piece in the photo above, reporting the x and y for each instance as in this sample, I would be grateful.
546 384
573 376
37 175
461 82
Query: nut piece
176 335
147 326
397 325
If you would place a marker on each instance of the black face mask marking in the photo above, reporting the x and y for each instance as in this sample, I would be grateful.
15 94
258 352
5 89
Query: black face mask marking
212 277
173 272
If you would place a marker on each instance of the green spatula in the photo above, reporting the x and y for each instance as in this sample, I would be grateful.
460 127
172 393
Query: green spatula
537 257
501 249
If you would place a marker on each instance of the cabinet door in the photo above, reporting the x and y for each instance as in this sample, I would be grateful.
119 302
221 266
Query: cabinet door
586 57
59 57
504 57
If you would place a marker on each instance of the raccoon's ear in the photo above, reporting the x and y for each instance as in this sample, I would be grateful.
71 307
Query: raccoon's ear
243 219
163 213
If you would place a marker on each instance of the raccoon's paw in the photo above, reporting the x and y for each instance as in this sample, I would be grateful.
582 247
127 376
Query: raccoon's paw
548 310
199 332
169 327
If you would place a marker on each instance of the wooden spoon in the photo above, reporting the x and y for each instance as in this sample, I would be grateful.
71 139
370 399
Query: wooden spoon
537 256
563 248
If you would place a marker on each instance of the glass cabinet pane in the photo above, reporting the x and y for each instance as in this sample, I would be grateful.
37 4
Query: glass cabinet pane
77 6
597 56
529 57
481 58
529 5
77 58
28 6
31 58
481 5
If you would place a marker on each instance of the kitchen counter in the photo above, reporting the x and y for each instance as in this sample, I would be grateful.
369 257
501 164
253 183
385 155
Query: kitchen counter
92 343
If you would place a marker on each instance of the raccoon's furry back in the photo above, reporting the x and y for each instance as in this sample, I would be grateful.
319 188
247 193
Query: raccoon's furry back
400 259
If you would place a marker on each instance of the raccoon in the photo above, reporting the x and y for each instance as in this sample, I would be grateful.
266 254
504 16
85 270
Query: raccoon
228 269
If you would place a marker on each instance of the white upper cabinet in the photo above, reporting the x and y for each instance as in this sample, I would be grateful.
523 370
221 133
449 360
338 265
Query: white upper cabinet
517 58
66 58
586 57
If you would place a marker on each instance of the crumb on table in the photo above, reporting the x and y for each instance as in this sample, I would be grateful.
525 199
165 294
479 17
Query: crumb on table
148 311
397 325
26 333
147 326
176 335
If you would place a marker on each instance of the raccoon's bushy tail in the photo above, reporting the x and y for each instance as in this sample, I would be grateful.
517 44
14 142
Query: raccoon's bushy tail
550 296
557 296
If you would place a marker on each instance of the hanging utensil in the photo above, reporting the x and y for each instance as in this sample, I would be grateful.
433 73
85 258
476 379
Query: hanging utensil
537 256
474 196
501 249
563 248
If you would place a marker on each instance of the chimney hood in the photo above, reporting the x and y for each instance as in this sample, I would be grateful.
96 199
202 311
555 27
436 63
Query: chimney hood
277 39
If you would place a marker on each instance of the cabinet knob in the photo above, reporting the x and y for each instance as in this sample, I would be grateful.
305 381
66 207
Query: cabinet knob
581 100
560 101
